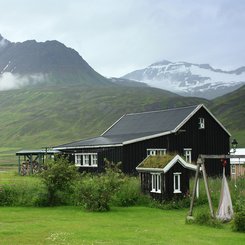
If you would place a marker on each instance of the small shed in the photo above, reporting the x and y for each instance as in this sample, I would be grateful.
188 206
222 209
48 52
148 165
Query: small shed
237 164
30 161
165 176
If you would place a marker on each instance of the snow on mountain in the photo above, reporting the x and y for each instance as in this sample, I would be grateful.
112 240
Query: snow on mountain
190 79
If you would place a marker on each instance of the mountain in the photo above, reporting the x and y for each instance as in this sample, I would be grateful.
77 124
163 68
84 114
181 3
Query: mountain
230 110
58 110
189 79
32 63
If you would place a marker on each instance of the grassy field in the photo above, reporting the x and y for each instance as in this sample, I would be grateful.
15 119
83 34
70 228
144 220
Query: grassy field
136 225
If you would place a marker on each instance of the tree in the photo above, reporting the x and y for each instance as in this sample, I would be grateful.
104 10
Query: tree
58 176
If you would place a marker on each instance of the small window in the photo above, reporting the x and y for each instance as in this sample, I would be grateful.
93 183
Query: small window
86 160
154 152
177 183
78 159
233 169
187 154
94 160
201 123
156 182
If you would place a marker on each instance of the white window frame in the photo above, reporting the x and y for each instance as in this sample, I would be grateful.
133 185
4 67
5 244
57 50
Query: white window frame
233 169
78 160
94 160
201 123
177 185
156 182
86 160
156 151
187 154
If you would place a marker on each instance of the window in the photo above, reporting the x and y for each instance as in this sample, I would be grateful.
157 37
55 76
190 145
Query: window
94 159
201 123
233 169
187 154
154 152
156 182
177 183
86 160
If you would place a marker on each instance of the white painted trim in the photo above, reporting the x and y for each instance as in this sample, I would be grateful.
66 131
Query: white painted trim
216 120
87 146
113 124
178 189
179 159
152 170
188 117
146 137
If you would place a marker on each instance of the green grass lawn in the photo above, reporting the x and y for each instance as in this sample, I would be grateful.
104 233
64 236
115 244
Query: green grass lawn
135 225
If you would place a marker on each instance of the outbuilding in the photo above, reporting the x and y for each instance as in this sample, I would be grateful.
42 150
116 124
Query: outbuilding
165 176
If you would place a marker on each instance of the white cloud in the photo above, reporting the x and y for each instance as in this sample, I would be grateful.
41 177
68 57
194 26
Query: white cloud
9 81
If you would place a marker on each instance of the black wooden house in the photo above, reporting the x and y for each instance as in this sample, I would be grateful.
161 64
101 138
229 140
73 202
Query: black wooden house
188 131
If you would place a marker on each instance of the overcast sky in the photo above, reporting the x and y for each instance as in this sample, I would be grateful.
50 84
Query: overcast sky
118 36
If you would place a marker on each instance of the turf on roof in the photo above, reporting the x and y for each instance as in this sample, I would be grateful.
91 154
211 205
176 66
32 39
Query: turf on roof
158 161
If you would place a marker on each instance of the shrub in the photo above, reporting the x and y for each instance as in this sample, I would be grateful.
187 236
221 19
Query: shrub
129 193
58 176
204 218
96 191
239 221
25 194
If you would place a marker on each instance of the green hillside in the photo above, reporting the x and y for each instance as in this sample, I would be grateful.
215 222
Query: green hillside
59 114
230 109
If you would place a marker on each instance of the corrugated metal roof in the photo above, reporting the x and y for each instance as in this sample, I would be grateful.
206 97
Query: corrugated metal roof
150 122
140 126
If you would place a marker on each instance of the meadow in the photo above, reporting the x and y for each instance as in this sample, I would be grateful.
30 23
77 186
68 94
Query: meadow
138 224
131 225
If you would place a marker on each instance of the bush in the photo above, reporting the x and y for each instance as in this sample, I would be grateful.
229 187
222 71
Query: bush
129 193
239 221
58 176
96 191
25 194
204 218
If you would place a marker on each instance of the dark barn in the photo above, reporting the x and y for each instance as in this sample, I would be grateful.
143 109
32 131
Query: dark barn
188 131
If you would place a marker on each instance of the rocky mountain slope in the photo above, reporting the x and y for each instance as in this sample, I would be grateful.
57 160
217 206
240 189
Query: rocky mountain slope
32 63
190 79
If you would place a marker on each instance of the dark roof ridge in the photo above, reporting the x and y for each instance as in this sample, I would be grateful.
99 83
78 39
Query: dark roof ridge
168 109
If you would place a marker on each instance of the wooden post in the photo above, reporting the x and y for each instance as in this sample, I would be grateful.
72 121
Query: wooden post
195 186
207 190
19 165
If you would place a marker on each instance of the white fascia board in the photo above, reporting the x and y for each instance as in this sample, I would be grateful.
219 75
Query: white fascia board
179 159
152 170
146 137
113 125
216 120
187 118
87 146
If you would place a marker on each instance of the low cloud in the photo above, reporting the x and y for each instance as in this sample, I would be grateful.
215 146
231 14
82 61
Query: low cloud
9 81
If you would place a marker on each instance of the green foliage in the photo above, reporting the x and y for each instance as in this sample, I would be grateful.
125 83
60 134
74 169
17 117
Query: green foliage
96 191
239 221
24 194
58 176
129 194
203 217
